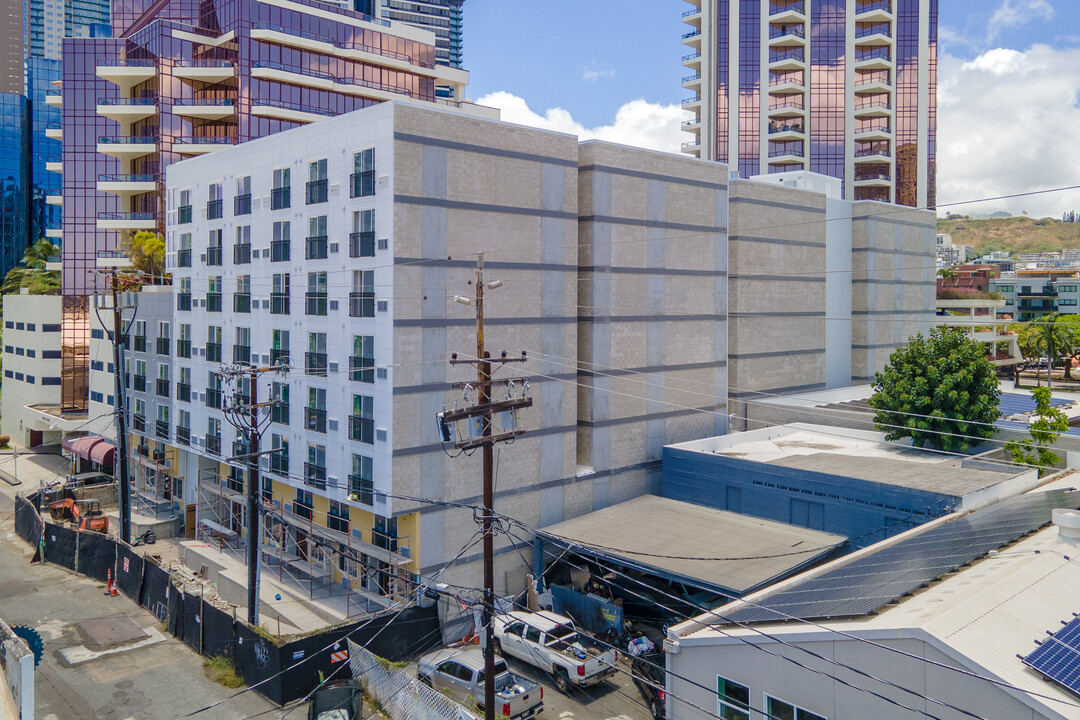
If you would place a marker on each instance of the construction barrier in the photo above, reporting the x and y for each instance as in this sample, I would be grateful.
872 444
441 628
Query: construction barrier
401 696
210 631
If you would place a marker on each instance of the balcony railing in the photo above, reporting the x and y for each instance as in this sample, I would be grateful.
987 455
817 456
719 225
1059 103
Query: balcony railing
279 251
213 352
279 198
183 258
241 302
140 383
138 422
139 342
125 62
127 140
362 244
871 104
362 429
315 303
279 304
777 8
315 419
315 364
315 475
162 346
279 413
885 5
241 354
279 357
213 444
316 191
242 204
213 302
872 176
213 398
877 53
128 102
183 348
362 489
213 255
789 54
204 63
872 153
316 247
788 79
200 140
148 217
878 29
162 387
361 304
183 392
790 30
183 435
241 254
214 209
279 464
786 127
183 301
875 128
304 511
162 428
362 369
780 153
362 184
203 102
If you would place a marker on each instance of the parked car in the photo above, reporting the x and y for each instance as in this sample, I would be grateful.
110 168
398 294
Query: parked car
336 701
552 643
461 674
648 674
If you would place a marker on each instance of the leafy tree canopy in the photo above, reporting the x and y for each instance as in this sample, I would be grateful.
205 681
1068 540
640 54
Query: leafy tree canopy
1046 425
941 391
147 252
31 272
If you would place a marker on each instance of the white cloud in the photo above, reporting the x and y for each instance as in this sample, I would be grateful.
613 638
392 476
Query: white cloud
638 123
591 73
1005 125
1014 13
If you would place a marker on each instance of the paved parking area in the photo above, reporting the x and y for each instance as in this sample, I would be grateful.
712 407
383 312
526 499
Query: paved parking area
161 681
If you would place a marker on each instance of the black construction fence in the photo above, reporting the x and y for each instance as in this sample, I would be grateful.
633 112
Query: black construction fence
282 669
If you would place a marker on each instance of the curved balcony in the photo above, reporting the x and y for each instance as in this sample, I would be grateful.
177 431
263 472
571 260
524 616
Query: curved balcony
873 108
126 73
787 36
126 185
126 221
284 110
874 58
872 86
789 109
54 131
270 32
872 156
786 132
874 35
876 132
199 145
787 157
127 148
127 109
204 108
204 71
787 12
787 59
879 11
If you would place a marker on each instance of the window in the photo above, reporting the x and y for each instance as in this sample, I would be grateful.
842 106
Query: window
279 347
183 427
242 296
1067 288
362 362
183 298
316 187
213 248
184 209
361 486
1065 301
183 343
242 248
162 425
337 517
781 710
1005 288
732 700
213 436
30 327
362 238
140 336
279 244
163 381
279 459
213 293
140 375
242 346
315 467
279 296
317 240
213 390
213 202
315 412
183 385
279 411
362 419
242 201
303 501
163 338
96 333
362 297
316 294
279 196
315 358
363 177
50 327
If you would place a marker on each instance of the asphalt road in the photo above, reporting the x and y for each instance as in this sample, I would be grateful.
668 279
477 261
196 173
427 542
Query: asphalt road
159 682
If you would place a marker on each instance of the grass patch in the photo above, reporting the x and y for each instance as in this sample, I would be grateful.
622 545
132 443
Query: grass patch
222 670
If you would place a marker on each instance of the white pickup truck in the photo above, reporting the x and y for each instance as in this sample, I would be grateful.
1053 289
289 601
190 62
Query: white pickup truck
552 643
461 674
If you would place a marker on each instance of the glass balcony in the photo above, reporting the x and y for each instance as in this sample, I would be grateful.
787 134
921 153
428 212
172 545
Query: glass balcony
316 247
788 31
362 244
362 429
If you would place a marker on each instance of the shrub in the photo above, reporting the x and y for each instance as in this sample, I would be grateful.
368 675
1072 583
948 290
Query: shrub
4 440
222 670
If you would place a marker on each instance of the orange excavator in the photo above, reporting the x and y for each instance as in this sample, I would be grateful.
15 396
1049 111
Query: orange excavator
83 514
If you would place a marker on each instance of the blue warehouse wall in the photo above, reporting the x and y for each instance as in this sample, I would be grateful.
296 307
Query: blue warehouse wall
864 512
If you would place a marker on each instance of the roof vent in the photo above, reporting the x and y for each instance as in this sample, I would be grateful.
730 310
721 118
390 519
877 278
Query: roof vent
1068 525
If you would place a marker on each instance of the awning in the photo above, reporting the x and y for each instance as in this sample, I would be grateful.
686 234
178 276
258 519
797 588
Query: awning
103 453
82 445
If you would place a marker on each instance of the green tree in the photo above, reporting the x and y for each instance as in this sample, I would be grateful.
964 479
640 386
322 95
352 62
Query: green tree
940 391
147 252
1046 425
947 273
31 272
1050 339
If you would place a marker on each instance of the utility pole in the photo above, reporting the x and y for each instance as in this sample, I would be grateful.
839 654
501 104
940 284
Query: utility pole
481 435
245 418
123 485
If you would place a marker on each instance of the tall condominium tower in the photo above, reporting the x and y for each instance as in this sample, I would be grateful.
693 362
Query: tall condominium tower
845 88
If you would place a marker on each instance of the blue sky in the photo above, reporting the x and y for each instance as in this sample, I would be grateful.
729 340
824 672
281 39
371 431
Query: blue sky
611 69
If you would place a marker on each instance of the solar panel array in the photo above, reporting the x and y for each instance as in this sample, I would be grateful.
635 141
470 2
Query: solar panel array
873 581
1014 404
1058 658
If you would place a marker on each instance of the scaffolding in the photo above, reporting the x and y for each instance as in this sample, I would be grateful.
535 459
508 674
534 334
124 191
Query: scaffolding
153 483
220 512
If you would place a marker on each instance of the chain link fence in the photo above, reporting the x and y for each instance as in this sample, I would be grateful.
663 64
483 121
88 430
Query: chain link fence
401 696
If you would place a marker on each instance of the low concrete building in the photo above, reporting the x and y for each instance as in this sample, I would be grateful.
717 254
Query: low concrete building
981 320
848 482
946 620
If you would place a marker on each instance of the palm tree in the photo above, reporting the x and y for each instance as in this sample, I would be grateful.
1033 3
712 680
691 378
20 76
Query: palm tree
1051 339
31 272
947 273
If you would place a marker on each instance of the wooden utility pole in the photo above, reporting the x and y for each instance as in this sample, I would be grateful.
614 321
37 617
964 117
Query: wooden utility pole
481 434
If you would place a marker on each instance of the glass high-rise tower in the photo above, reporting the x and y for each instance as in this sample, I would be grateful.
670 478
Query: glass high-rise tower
846 88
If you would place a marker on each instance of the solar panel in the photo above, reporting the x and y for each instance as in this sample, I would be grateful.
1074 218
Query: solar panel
875 580
1014 403
1058 658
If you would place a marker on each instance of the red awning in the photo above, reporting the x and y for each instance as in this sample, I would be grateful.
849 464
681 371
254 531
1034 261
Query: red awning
103 453
81 446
